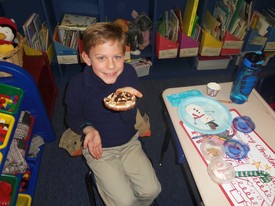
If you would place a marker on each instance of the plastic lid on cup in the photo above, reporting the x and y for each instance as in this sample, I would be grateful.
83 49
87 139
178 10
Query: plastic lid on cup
220 171
235 149
243 124
212 149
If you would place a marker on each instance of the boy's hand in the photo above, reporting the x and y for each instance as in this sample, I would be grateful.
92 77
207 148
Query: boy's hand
92 140
131 90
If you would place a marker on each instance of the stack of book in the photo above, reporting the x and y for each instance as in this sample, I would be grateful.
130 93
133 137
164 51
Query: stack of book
232 16
70 28
173 21
36 33
261 21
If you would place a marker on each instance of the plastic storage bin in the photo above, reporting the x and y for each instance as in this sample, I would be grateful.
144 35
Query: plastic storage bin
24 200
14 182
10 98
6 120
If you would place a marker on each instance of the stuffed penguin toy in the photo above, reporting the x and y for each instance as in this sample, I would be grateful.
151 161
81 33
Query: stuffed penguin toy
8 31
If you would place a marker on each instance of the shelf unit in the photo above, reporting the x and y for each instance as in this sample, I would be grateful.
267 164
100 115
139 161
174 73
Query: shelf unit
53 11
32 102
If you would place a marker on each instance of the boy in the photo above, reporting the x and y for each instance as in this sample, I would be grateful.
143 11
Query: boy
123 173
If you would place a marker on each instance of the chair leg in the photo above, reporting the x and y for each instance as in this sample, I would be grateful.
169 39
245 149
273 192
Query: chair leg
89 184
164 145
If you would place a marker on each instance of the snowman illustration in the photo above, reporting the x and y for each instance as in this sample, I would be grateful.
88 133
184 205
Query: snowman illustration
198 113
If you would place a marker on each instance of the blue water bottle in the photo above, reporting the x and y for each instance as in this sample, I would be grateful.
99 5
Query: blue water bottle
246 77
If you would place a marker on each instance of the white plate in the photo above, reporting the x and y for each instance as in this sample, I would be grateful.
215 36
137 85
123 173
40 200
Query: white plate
205 115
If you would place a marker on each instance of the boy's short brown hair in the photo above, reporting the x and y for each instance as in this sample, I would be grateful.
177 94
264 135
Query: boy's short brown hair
101 32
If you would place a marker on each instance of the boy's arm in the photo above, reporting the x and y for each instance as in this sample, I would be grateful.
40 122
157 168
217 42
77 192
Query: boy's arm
92 140
74 118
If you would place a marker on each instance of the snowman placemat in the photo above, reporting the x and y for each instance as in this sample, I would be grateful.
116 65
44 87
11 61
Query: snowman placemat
248 187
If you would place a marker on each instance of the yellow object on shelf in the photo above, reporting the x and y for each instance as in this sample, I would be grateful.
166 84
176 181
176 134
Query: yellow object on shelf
23 200
33 52
8 122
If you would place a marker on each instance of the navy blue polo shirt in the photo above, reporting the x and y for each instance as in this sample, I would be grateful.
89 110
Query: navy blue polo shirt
84 102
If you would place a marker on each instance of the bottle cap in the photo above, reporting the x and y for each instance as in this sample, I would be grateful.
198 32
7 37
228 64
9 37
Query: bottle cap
243 124
254 60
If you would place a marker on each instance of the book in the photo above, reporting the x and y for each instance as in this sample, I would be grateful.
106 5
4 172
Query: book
235 25
29 29
223 15
162 24
179 15
38 26
36 33
196 33
76 22
260 23
211 24
195 25
235 15
173 26
189 16
270 17
44 32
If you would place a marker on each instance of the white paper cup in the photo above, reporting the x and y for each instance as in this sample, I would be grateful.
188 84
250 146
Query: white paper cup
213 88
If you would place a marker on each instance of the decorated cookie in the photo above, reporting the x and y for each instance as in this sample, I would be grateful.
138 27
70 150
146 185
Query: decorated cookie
120 101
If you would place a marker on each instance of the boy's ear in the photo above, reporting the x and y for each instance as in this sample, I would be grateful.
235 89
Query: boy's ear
86 58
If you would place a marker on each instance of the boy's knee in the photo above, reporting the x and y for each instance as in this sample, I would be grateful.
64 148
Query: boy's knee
126 200
152 191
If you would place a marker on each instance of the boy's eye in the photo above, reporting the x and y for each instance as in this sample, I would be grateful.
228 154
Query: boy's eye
118 57
101 58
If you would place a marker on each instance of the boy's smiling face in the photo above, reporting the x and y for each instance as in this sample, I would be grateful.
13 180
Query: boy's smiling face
106 60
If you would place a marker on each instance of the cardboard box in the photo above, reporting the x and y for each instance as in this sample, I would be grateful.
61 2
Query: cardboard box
33 52
209 46
209 63
254 42
188 47
165 48
64 54
231 45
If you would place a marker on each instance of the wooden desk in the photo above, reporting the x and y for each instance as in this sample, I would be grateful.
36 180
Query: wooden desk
256 108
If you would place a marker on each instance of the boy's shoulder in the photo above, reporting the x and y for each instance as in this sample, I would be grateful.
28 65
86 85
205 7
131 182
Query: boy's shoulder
77 79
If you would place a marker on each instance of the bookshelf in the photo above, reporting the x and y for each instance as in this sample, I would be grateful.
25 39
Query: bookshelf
53 11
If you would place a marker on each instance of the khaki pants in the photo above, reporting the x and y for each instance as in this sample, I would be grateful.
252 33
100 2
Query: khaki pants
124 175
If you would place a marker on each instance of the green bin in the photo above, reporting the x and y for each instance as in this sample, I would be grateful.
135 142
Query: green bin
10 99
14 182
